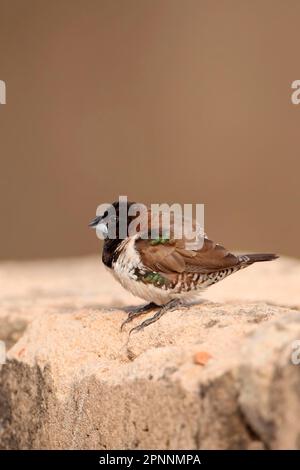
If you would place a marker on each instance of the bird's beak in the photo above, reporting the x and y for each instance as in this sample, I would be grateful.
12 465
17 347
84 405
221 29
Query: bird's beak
93 223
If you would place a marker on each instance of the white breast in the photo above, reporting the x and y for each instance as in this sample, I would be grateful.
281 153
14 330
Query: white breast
124 271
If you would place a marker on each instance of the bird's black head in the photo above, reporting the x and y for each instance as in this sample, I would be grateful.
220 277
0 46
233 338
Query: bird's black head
112 226
113 222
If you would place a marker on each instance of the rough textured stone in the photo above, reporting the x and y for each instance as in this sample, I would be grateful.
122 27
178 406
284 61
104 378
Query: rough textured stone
74 381
270 382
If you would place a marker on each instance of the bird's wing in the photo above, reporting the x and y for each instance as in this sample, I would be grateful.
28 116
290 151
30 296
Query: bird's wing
171 256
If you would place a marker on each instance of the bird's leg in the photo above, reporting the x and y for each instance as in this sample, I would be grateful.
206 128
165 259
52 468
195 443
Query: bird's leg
172 305
136 312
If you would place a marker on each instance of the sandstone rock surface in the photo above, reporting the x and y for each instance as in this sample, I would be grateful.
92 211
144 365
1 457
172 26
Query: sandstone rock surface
73 380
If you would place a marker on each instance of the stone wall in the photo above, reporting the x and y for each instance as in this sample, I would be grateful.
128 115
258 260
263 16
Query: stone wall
215 375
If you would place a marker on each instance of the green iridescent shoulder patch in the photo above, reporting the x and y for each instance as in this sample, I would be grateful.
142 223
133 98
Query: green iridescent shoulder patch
151 277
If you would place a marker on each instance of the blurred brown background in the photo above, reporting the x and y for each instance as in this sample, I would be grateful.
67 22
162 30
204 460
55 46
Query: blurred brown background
161 100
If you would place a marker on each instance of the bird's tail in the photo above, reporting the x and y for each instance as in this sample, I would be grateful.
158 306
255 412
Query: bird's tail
255 257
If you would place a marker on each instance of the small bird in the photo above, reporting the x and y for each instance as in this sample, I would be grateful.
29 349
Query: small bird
162 270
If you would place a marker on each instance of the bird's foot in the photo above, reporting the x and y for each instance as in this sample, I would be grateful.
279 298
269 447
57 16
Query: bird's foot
136 312
172 305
